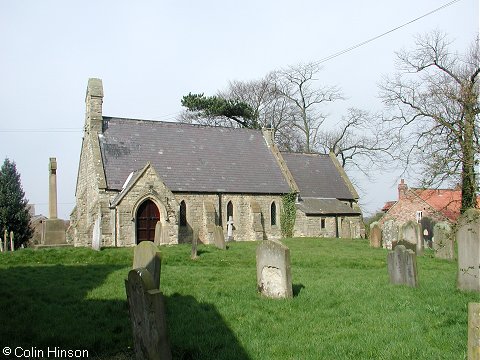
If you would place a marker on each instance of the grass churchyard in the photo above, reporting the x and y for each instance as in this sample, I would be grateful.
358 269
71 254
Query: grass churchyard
343 304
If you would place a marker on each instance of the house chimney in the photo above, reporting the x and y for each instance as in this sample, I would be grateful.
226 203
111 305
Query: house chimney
402 189
93 102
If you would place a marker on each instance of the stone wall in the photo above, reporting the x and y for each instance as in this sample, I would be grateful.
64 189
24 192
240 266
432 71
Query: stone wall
243 216
311 225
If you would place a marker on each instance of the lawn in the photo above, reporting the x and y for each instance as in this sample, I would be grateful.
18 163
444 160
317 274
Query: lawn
343 305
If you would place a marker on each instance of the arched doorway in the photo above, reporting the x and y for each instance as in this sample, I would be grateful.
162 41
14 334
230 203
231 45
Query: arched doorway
147 217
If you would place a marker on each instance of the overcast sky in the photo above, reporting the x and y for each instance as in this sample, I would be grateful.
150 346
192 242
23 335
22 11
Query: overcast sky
151 53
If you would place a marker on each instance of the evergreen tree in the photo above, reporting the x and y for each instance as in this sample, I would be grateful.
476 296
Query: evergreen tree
14 215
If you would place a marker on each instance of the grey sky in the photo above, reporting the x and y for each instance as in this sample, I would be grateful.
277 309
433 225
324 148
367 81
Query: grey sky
151 53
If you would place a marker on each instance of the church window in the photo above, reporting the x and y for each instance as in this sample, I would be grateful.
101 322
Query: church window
273 214
183 214
229 210
322 223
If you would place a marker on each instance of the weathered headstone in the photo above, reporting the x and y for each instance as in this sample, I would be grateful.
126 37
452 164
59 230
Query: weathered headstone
346 229
161 233
473 348
257 225
230 229
194 243
12 242
443 242
411 233
219 238
146 255
274 277
375 235
402 266
389 233
468 242
147 315
97 234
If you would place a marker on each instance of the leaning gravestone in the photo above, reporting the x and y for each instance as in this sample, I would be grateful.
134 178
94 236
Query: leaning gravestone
468 242
375 235
194 243
147 315
146 255
402 266
411 234
389 233
274 277
219 238
96 233
443 243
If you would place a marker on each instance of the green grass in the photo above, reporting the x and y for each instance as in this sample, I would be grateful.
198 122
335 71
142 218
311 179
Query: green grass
343 308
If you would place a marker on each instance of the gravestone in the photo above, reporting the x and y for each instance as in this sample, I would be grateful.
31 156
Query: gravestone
230 228
147 315
468 242
375 235
257 225
402 266
146 255
473 347
12 244
219 238
443 242
161 233
411 233
389 233
194 243
97 234
5 234
274 277
346 230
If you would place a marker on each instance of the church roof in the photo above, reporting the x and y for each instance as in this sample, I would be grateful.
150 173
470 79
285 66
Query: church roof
190 158
316 206
317 176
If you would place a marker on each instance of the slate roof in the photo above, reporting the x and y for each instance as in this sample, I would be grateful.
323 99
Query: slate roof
190 158
317 176
317 206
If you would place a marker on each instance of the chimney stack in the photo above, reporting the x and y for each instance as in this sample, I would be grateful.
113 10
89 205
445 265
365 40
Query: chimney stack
402 189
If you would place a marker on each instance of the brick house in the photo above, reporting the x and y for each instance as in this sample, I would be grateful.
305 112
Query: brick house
134 173
426 206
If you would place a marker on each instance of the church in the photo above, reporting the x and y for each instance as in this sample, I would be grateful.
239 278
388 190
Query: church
138 176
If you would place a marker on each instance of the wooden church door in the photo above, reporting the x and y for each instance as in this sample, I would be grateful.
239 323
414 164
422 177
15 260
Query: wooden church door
147 217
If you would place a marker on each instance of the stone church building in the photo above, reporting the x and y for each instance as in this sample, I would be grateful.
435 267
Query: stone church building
138 176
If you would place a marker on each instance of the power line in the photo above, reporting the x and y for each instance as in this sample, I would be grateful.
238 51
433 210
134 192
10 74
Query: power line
344 51
43 130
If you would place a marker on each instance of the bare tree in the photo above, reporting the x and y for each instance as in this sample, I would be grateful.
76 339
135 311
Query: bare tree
360 141
296 84
434 99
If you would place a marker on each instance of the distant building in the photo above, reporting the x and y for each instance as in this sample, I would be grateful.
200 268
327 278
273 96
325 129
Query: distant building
426 206
139 177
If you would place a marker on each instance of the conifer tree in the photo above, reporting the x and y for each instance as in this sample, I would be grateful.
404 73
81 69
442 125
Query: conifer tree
14 215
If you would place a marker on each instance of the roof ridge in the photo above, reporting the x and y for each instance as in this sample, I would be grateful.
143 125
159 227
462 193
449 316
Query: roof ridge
177 123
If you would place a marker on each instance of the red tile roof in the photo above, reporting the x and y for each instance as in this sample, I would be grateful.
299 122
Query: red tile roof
446 201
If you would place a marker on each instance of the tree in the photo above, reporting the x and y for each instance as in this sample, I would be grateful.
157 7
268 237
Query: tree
296 84
435 105
14 215
359 141
215 106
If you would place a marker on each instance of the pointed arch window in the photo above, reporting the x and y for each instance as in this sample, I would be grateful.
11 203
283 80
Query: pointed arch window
273 214
183 213
229 210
